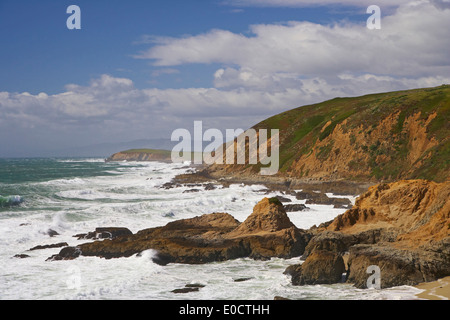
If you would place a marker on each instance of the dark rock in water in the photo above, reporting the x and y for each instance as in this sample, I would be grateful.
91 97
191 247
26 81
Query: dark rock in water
195 285
67 253
169 215
243 279
191 287
105 233
185 290
162 259
191 190
266 233
50 246
21 256
170 185
283 199
295 207
52 233
210 186
313 197
321 267
341 203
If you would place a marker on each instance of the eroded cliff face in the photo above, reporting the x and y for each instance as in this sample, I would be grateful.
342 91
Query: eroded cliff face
367 153
374 138
418 210
402 227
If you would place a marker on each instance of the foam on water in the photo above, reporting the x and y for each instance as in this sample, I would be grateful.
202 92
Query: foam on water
132 198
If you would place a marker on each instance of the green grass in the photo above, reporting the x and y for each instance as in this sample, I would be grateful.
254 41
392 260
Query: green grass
303 127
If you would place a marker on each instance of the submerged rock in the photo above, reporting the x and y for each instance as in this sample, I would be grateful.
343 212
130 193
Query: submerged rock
49 246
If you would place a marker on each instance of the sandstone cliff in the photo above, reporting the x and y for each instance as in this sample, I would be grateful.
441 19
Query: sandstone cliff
373 138
401 227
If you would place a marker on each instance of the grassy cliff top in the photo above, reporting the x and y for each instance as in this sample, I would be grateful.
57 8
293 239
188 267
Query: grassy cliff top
376 137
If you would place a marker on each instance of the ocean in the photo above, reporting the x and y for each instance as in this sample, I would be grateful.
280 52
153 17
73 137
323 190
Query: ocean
65 197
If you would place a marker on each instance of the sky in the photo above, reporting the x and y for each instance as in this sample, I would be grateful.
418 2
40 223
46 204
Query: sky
138 70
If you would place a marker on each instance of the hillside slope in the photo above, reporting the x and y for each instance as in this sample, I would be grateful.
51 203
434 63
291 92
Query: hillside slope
377 137
141 155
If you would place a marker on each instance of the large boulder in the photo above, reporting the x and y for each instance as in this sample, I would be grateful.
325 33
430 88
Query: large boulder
399 266
321 267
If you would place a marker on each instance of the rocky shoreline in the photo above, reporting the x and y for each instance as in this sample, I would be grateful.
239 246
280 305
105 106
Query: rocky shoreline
402 227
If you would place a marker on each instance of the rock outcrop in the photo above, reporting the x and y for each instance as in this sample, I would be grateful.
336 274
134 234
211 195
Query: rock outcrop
266 233
321 267
401 227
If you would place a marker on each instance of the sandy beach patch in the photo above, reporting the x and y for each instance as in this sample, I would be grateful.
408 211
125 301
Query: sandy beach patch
436 290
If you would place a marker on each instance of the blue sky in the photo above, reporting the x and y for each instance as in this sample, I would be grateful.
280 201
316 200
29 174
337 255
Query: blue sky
39 54
141 69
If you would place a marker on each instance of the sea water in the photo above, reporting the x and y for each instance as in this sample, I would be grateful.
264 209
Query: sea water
72 196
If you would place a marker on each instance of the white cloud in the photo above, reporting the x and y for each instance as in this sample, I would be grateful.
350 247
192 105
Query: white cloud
306 3
412 42
276 68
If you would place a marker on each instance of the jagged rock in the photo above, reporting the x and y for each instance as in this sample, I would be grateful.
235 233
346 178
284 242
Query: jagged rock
401 227
104 233
185 290
266 233
321 267
67 253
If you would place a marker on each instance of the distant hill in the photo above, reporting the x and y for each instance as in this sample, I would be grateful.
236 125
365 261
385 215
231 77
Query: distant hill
141 155
377 137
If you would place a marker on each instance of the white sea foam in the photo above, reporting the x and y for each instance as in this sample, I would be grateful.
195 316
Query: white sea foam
133 199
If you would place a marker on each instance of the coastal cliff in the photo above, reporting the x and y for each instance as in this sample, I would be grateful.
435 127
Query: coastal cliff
397 142
141 155
374 138
402 227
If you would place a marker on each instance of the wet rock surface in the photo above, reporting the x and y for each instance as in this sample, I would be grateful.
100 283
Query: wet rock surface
403 228
266 233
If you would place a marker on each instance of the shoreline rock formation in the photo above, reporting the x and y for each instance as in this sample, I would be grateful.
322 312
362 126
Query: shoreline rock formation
266 233
401 227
